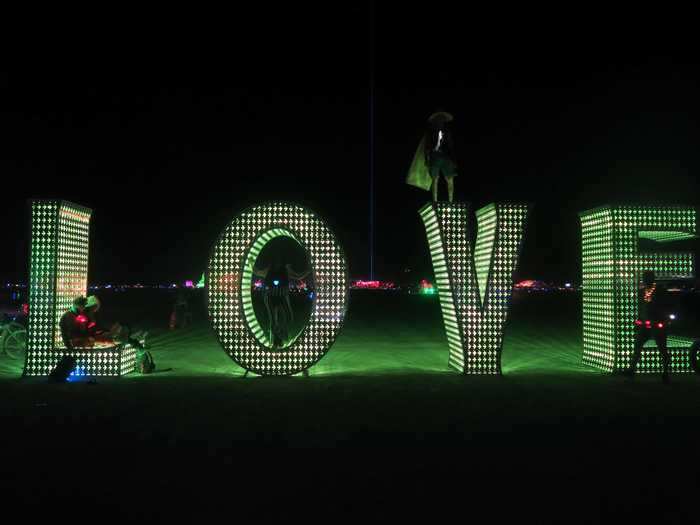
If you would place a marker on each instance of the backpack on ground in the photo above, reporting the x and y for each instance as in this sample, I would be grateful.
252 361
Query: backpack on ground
146 365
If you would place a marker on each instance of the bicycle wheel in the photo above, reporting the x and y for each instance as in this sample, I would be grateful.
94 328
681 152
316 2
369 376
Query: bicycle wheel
694 357
16 343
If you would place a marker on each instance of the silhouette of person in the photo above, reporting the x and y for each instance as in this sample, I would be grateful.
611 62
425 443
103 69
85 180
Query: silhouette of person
183 315
276 296
74 326
652 323
435 156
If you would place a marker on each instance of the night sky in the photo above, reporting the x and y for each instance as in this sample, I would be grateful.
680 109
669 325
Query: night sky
168 130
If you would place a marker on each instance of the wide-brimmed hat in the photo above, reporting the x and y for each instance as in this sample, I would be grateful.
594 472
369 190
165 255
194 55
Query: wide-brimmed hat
440 116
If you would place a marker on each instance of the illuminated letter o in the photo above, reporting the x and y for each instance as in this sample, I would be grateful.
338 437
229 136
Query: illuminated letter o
229 292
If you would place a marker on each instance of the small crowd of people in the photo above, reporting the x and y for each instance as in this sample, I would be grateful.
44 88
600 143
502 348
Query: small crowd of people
80 328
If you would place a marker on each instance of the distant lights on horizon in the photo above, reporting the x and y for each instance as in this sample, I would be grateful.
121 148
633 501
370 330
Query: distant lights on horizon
426 287
358 283
373 285
534 285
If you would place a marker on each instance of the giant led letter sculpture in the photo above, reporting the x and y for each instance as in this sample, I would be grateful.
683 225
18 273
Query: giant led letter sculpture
229 288
612 269
58 265
475 291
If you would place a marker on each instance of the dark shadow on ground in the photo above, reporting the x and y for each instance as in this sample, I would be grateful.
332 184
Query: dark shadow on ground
380 427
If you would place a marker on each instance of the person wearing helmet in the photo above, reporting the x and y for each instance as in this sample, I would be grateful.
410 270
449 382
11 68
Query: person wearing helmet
74 326
435 156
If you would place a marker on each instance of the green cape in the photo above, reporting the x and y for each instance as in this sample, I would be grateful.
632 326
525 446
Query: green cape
418 174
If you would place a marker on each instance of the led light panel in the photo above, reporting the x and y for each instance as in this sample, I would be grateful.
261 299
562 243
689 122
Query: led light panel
475 291
229 277
58 268
612 270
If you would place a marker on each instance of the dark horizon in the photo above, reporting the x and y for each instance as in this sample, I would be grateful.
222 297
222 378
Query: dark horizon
166 143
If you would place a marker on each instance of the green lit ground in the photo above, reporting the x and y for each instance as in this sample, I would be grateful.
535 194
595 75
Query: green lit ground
379 422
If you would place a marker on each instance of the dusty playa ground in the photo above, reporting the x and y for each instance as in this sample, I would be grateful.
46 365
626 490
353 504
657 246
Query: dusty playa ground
380 426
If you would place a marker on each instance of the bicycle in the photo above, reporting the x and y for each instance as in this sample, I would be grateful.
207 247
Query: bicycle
13 337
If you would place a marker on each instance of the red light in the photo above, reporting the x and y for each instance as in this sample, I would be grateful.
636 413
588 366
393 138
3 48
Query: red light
81 319
660 325
368 284
648 323
638 322
373 285
25 309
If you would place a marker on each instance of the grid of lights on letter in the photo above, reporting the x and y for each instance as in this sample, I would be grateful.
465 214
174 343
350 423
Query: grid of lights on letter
229 288
612 270
58 268
474 325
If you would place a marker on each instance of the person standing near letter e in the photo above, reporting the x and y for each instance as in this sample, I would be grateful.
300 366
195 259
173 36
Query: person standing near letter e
652 323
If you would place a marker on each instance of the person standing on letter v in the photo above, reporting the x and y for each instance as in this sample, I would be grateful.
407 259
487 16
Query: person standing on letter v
435 156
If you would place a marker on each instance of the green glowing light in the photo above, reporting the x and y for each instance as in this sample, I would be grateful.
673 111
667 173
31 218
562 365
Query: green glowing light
230 303
612 269
474 291
57 274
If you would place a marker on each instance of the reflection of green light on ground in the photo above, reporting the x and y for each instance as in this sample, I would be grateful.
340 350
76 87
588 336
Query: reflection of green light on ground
403 342
389 335
389 346
380 411
393 349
